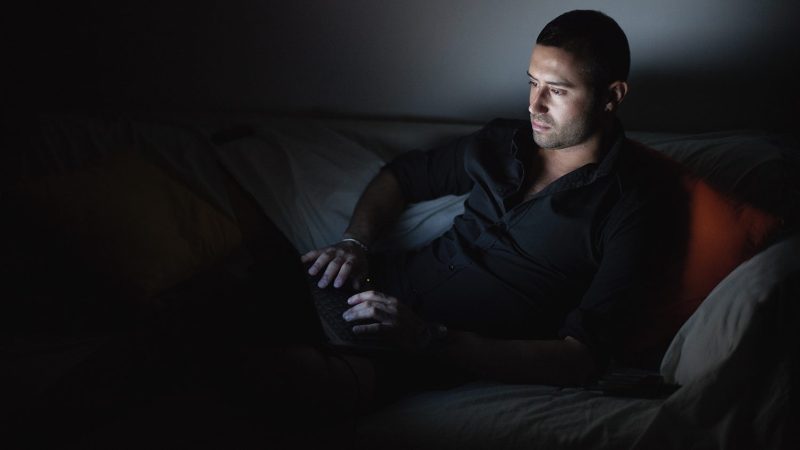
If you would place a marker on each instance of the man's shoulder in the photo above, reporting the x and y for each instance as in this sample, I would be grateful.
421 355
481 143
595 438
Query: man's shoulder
650 164
647 176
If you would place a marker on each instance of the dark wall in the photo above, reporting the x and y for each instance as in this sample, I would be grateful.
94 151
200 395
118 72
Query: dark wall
697 66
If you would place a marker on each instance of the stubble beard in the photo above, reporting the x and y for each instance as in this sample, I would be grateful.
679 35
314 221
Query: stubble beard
569 134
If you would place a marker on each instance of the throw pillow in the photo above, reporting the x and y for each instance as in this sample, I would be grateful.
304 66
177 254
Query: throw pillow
123 227
704 235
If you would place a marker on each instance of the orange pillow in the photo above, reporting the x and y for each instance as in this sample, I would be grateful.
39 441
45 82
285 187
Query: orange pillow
707 233
123 227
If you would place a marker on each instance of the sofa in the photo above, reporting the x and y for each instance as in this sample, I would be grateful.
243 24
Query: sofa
115 219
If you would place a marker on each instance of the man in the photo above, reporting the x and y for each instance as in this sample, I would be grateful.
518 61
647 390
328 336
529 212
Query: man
534 280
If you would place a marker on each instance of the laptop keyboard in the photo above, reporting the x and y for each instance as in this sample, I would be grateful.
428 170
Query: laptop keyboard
331 304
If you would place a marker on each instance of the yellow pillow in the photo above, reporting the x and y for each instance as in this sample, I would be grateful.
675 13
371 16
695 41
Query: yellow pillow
124 223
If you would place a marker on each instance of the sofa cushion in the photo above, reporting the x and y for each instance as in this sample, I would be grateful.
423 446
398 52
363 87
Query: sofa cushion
739 162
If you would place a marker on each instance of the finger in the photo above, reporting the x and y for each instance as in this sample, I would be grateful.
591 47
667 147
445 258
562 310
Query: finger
358 298
344 272
376 311
371 295
322 259
334 266
310 256
372 310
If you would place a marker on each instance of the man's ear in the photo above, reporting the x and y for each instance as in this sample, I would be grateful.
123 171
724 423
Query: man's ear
616 93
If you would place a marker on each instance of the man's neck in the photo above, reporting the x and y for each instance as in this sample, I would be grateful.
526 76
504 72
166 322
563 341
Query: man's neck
559 162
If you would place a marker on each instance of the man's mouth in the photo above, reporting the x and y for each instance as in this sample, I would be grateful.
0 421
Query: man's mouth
539 125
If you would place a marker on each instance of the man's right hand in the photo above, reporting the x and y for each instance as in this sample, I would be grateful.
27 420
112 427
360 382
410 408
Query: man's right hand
338 263
379 205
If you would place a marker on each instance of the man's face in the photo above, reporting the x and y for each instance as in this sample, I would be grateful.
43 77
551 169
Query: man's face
563 109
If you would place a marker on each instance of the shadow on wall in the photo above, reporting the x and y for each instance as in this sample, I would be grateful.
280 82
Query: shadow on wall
135 56
686 101
712 100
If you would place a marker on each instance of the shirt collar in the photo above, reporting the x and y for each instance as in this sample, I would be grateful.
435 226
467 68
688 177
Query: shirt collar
583 175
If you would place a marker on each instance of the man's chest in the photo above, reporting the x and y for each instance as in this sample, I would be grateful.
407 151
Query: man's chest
555 229
531 186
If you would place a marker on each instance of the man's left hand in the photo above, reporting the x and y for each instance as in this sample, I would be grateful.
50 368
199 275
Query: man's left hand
391 318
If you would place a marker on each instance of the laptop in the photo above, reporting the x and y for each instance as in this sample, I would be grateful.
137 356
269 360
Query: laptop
317 312
329 304
307 312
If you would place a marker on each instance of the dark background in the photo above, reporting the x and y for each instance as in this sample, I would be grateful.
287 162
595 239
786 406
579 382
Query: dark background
697 65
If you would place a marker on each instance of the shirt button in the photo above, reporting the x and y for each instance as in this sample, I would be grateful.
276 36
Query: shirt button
451 267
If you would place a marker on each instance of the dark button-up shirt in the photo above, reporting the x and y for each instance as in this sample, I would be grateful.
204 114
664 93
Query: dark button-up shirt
562 263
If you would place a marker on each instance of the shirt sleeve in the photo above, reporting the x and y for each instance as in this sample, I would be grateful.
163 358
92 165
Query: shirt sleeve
429 174
601 317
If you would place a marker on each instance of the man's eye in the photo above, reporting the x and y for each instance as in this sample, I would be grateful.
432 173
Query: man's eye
531 82
557 91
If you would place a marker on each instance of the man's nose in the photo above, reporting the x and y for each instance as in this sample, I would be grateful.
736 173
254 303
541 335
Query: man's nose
537 104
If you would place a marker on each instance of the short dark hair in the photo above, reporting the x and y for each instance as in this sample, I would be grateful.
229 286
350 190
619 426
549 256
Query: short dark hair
596 39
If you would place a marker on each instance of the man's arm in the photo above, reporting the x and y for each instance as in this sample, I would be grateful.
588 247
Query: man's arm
414 176
556 362
379 205
411 177
564 362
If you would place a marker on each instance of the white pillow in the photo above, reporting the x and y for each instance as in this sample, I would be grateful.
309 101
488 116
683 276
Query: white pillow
715 330
307 177
738 162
